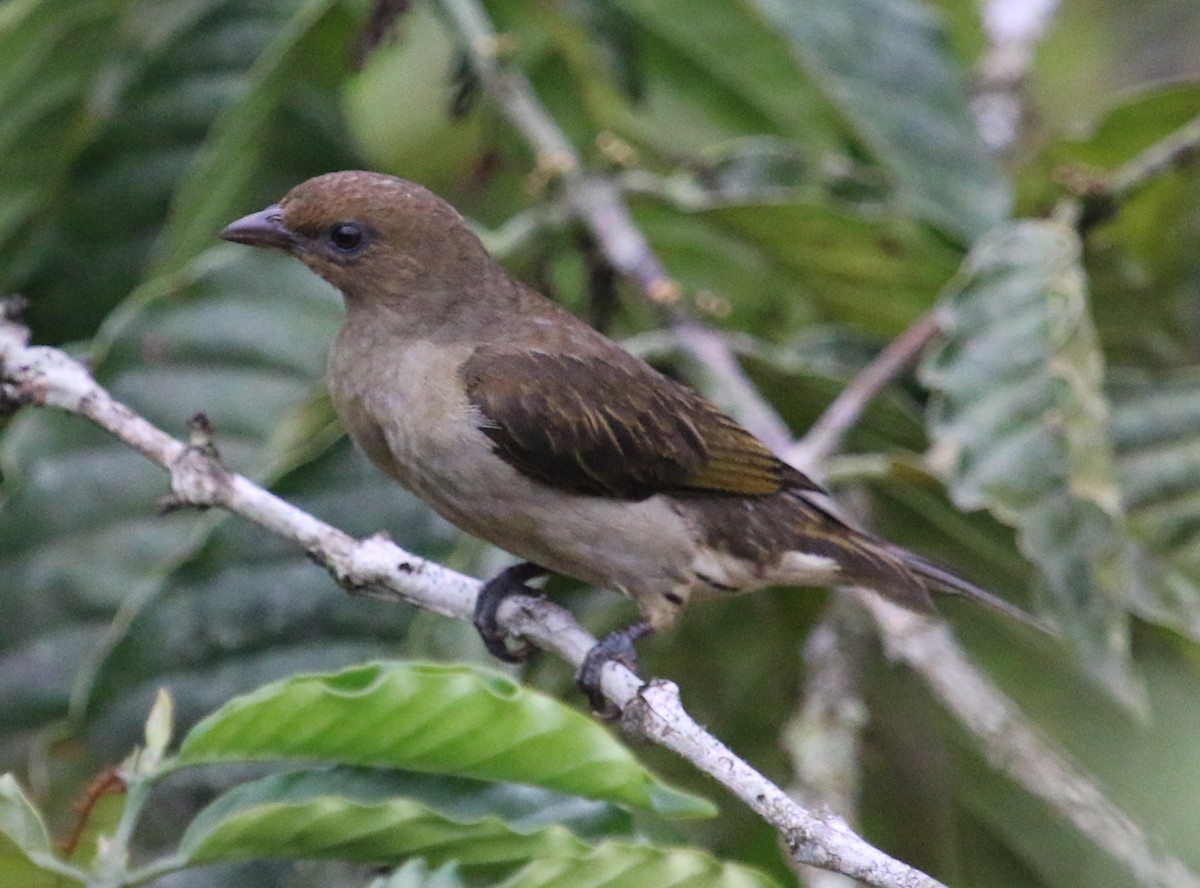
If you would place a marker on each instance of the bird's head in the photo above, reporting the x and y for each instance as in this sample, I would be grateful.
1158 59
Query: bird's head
372 236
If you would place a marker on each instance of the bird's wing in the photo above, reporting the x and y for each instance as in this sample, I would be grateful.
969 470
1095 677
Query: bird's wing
612 426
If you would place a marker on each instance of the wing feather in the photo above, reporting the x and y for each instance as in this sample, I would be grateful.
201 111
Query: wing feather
613 426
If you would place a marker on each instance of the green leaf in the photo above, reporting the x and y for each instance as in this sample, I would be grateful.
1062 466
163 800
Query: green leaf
233 152
416 874
81 540
783 265
433 718
841 255
1132 125
1156 423
20 820
26 855
885 65
708 58
395 136
624 866
50 53
1020 427
354 814
107 104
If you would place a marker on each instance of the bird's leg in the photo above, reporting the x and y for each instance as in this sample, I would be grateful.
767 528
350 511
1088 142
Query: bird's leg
510 581
617 646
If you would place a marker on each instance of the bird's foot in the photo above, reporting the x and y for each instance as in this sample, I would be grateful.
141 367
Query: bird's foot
616 646
508 582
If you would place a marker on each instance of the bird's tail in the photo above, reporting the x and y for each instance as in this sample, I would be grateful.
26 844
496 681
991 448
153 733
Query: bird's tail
939 580
901 575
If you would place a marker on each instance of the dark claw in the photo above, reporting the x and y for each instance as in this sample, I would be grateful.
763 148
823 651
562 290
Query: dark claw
508 582
614 646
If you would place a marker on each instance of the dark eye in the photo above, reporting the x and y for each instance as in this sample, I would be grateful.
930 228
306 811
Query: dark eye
346 237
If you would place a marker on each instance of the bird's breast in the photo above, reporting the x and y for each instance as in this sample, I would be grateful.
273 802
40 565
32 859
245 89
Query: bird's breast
403 404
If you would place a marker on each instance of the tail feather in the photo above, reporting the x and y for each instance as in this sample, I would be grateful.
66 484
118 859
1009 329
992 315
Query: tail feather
946 583
901 575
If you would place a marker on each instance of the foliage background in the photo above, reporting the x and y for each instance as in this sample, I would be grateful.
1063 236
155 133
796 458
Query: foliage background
809 172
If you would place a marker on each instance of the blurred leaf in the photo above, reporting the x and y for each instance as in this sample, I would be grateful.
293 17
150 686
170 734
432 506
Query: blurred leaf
24 841
1145 264
395 136
447 719
80 537
1156 424
885 65
20 820
623 866
50 53
103 816
248 607
352 814
1020 427
719 63
416 874
1132 126
136 85
781 264
233 151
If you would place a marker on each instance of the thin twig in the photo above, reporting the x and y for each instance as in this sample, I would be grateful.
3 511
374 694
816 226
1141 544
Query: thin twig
1101 196
1013 28
1013 746
1098 196
1169 153
824 738
827 432
378 567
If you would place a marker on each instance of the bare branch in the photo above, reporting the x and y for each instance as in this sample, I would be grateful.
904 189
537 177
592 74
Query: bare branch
378 567
1172 151
1013 28
1100 195
826 434
824 738
1014 746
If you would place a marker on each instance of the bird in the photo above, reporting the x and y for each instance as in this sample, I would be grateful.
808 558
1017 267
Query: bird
524 426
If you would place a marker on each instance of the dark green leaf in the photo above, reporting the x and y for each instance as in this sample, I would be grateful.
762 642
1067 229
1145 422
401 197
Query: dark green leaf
776 261
234 150
723 57
80 534
349 814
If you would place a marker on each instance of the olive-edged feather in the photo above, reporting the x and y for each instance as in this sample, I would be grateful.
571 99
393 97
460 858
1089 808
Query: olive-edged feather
613 426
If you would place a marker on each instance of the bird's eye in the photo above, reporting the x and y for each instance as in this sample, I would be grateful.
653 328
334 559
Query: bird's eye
346 237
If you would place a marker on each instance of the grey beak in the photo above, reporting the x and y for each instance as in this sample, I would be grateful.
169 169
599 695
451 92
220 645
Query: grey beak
262 229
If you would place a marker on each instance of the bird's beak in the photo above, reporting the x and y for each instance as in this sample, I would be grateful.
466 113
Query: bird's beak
262 229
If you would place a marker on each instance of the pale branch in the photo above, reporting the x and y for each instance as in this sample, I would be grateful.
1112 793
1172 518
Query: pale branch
597 202
1013 746
1171 152
824 738
379 568
826 434
1013 28
1099 195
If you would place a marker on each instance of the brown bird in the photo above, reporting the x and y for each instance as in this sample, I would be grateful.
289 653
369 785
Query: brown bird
522 425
